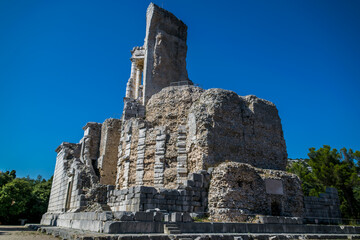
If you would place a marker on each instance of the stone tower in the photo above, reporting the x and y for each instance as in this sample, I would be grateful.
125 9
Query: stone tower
160 63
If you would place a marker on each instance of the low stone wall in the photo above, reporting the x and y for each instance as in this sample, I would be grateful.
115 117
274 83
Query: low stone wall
190 197
66 233
212 227
146 222
153 222
323 209
90 221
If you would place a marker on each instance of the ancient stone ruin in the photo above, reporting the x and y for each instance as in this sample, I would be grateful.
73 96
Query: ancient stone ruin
178 152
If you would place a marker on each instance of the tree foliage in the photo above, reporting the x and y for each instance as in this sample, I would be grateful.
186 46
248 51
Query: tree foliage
7 177
22 198
333 168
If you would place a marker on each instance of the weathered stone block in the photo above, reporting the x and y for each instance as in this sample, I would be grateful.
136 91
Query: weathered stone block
158 216
176 217
124 216
144 216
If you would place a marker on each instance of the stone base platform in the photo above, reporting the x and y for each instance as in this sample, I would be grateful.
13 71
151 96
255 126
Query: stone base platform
212 227
68 234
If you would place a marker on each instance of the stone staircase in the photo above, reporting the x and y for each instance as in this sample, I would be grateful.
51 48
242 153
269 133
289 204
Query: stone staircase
171 228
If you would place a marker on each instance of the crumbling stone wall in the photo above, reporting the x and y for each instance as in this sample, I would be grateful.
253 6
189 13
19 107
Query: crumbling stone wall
225 126
133 109
169 109
201 128
76 185
109 144
90 143
238 190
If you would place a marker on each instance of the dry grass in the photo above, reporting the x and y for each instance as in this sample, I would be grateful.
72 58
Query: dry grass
23 233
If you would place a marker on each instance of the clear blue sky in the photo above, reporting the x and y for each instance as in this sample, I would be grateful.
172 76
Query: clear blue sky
65 63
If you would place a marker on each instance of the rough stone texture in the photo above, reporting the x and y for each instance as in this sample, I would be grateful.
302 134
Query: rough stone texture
165 51
166 112
225 126
149 163
238 190
110 138
132 108
90 143
217 125
169 108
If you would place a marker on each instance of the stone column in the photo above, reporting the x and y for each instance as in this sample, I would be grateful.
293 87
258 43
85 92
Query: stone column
128 89
131 84
138 83
133 69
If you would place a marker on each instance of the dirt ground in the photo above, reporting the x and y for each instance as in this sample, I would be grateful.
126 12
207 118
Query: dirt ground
22 233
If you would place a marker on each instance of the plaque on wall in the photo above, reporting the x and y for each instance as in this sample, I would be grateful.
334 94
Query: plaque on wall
274 186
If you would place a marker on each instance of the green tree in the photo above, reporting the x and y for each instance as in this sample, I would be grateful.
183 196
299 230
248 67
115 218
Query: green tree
6 177
23 198
309 185
39 201
14 199
333 168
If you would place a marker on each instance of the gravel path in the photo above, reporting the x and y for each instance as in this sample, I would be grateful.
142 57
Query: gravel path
22 233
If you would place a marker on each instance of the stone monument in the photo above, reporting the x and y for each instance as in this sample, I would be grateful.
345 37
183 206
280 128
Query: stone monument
178 151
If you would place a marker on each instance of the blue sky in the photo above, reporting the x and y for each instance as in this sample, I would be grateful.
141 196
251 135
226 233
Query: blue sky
65 63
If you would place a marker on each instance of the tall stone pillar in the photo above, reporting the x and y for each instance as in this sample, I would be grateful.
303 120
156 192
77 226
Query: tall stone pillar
128 89
165 51
133 69
131 84
138 83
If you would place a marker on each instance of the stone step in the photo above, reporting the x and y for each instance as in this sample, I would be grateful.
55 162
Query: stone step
174 232
171 228
171 225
